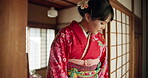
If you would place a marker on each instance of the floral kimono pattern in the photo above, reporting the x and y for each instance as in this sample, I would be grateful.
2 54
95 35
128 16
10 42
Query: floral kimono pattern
70 43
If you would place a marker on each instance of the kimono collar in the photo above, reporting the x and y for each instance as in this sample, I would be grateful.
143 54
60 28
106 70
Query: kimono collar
78 31
86 34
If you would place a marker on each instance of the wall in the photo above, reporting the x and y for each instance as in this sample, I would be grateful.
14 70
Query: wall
13 22
66 16
126 3
39 14
137 8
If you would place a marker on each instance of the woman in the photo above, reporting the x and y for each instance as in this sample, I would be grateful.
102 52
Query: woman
78 50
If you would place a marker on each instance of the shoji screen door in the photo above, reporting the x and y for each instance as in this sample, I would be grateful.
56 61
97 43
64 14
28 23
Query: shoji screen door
117 35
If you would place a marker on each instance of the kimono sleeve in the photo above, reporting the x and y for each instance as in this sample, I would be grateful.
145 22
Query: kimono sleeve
104 63
57 67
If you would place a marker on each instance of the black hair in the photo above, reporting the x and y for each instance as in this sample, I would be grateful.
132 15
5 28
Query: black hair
98 9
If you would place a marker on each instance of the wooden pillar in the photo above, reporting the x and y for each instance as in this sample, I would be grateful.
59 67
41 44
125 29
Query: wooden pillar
13 22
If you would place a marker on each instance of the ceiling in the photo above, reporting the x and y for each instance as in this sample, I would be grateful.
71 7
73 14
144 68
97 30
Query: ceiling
58 4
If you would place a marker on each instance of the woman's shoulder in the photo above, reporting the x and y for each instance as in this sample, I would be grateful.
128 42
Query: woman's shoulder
65 33
65 30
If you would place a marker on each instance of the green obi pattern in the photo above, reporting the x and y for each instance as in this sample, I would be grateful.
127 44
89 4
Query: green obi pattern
73 73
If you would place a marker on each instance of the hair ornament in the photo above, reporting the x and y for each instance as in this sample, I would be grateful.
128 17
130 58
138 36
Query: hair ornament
83 4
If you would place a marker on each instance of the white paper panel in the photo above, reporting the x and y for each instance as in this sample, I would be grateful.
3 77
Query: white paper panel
118 27
124 76
127 56
124 69
127 66
119 50
128 47
124 49
127 75
118 62
113 39
124 59
114 13
128 38
34 54
124 28
124 38
43 48
119 73
113 26
113 52
127 29
123 18
113 75
118 15
127 19
119 39
50 38
113 65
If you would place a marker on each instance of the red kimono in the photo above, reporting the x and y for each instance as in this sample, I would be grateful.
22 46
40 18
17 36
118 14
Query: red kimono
70 44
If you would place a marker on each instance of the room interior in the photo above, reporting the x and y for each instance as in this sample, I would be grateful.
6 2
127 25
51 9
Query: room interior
18 17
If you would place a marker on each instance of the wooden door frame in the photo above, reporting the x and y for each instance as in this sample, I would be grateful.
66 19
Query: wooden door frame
13 21
135 20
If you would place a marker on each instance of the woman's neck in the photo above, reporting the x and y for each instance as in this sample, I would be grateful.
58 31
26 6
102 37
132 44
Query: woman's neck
84 25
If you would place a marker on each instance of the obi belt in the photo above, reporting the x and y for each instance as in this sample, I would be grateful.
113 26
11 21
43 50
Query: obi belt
81 71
